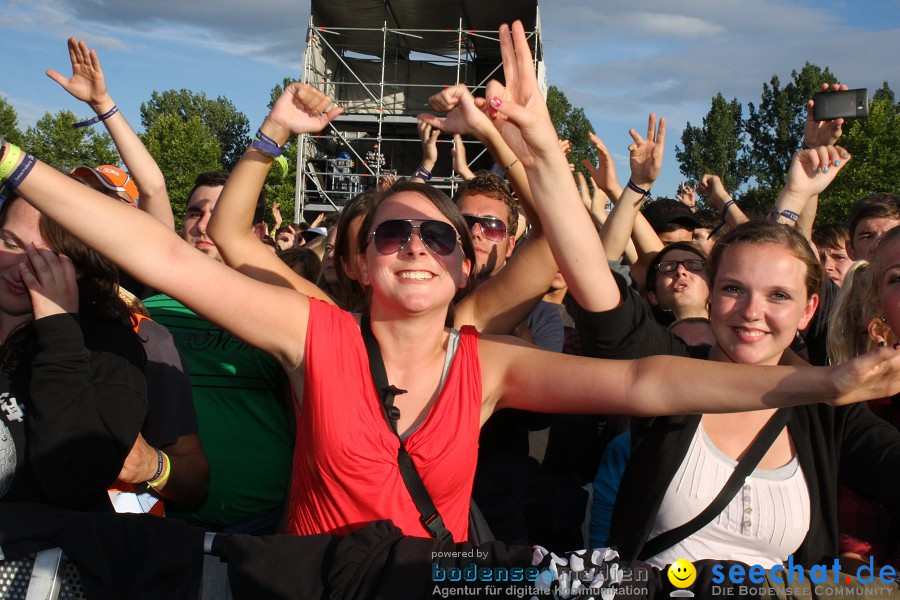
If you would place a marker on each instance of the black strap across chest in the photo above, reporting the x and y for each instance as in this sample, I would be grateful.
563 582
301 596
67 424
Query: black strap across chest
745 466
428 514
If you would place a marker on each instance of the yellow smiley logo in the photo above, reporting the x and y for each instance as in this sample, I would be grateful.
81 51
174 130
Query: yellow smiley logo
682 573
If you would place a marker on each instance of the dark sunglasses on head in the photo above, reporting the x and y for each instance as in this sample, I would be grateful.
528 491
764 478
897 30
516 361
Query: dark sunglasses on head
491 227
393 236
695 265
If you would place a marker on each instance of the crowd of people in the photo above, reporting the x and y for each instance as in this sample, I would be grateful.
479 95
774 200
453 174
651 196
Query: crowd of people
513 363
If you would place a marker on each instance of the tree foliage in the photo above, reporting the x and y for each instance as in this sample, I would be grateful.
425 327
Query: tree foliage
229 125
53 140
183 149
9 122
716 147
752 155
571 124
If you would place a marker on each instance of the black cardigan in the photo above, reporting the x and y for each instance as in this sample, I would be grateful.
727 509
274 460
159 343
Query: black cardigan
849 444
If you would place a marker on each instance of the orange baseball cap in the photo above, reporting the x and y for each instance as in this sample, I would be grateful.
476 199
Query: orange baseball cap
110 177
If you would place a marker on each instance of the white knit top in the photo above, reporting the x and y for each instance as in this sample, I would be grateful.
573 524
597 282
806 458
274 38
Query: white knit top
766 521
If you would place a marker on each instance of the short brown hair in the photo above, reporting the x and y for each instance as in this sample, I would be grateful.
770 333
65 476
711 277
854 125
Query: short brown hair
487 183
880 205
831 235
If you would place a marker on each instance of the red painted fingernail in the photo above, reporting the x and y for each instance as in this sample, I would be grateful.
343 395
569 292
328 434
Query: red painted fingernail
492 111
496 102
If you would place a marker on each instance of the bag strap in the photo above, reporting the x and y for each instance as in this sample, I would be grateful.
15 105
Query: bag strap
745 466
428 513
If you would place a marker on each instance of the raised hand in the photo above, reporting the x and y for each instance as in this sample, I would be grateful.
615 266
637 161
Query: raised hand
87 82
460 162
300 109
711 187
812 171
276 215
464 116
50 280
518 110
604 174
686 195
428 135
647 153
822 133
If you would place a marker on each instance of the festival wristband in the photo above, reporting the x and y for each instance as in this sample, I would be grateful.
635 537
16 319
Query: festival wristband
22 171
96 119
725 208
9 161
161 481
634 188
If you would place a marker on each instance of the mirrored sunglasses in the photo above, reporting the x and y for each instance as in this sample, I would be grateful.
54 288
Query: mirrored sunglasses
393 236
492 228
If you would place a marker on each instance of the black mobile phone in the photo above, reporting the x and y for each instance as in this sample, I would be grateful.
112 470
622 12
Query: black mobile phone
847 104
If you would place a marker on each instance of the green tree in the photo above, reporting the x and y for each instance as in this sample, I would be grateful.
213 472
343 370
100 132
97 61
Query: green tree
775 126
874 143
229 125
9 122
571 124
53 140
183 149
717 147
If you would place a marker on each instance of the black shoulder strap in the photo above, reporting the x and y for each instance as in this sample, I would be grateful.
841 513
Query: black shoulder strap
745 466
428 514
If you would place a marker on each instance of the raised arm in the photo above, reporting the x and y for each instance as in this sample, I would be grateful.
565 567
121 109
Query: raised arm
428 136
719 199
523 377
626 221
460 162
521 116
810 173
88 84
504 300
165 262
230 225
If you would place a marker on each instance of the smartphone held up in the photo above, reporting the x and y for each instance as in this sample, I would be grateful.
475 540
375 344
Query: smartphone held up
844 104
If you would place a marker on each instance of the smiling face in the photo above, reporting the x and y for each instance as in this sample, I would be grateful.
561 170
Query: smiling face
758 302
414 279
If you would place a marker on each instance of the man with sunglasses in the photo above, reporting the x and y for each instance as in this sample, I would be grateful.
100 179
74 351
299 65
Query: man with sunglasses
492 215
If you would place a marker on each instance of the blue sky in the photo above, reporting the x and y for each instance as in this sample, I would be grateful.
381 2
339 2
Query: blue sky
619 60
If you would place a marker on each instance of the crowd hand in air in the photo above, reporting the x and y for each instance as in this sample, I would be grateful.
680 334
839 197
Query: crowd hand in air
822 133
686 195
566 147
300 109
466 114
460 161
813 170
428 136
87 82
716 195
646 154
604 174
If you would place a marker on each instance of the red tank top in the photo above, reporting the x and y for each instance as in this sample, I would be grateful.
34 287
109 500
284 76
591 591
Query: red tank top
345 458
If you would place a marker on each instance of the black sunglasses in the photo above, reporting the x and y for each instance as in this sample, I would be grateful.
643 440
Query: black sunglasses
695 265
491 227
393 236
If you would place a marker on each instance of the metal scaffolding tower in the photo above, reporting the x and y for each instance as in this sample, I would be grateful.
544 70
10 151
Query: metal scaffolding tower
381 60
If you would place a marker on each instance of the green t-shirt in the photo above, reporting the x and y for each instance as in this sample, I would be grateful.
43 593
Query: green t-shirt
240 397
